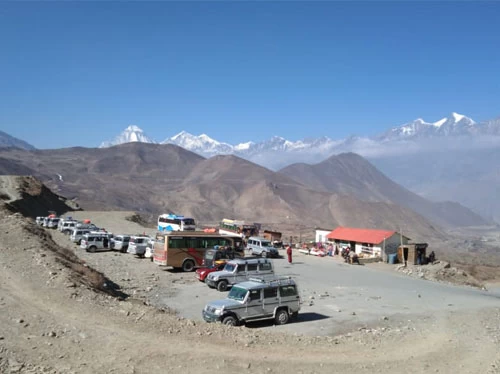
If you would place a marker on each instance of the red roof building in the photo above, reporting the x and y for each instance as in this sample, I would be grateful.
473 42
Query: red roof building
369 241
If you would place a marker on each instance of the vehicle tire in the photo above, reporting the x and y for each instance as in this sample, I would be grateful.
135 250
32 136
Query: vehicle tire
222 285
79 242
294 316
281 317
92 249
188 265
230 321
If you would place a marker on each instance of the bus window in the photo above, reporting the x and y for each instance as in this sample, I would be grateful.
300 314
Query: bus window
176 242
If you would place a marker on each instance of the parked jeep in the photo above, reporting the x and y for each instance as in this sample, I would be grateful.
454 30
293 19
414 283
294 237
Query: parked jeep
240 270
254 300
261 247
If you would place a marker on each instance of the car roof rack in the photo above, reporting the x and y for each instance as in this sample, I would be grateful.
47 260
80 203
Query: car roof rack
278 280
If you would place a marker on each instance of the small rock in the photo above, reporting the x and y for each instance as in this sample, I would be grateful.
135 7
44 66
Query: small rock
19 320
52 334
385 318
353 313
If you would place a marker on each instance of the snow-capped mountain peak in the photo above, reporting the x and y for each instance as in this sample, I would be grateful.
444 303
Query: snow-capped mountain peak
244 146
202 144
131 134
183 134
463 119
440 122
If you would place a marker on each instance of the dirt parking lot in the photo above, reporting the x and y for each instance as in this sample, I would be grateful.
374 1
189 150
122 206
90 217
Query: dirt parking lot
337 297
355 319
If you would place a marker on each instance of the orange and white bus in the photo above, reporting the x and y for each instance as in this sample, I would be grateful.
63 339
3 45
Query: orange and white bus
186 250
234 227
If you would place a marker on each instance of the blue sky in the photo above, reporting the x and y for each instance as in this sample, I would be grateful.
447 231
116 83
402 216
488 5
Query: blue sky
78 73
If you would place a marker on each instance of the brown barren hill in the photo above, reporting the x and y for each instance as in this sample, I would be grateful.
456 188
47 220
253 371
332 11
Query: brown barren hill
351 174
153 178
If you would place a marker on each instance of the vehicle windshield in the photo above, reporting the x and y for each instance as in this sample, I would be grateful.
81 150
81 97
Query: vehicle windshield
266 244
229 267
188 221
237 293
209 255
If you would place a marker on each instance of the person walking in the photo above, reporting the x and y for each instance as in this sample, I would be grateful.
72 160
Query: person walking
289 254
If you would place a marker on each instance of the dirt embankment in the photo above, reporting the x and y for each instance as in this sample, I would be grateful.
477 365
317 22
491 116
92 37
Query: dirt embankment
30 197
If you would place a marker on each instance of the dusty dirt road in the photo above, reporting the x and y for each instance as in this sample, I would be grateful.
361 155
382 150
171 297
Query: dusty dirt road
50 323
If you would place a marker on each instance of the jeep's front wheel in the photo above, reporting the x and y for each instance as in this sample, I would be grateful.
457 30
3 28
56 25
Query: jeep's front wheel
222 286
281 317
92 249
230 321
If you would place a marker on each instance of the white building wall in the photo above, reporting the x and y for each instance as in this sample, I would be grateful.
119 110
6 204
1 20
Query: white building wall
321 236
391 246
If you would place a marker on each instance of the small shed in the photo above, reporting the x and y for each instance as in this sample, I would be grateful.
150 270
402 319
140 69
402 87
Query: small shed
414 253
273 236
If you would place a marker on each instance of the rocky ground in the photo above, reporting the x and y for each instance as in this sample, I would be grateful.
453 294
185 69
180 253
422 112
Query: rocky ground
60 316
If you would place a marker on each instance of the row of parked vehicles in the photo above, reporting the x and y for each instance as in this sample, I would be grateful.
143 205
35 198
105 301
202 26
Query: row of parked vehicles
255 291
88 236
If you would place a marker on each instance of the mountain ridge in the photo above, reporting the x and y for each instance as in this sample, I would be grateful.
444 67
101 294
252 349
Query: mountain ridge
129 177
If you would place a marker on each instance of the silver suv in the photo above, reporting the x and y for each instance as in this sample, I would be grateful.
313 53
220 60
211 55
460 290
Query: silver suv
240 270
261 247
255 300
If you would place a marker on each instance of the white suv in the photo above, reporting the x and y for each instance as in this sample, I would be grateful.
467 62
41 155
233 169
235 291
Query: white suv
137 245
93 242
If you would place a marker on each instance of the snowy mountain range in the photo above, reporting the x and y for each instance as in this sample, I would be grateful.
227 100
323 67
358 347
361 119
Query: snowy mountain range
129 135
402 137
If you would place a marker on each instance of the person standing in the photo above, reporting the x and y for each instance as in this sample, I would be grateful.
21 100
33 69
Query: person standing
289 254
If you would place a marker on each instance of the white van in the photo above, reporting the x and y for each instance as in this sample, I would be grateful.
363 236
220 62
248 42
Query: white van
261 247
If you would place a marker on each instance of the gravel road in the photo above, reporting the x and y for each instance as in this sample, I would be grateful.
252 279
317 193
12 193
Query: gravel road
338 296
